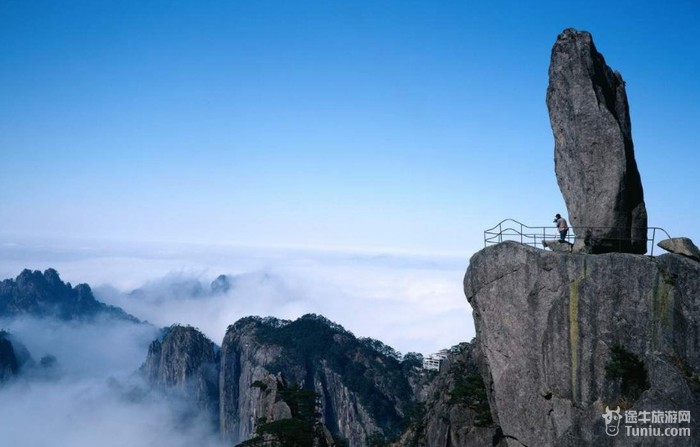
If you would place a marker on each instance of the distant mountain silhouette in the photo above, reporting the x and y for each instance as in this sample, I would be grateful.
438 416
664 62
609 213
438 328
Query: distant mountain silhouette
221 284
173 287
38 294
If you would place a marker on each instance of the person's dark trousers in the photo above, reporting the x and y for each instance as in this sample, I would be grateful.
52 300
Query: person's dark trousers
562 235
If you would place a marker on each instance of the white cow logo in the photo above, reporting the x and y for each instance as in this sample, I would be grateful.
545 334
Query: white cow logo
612 421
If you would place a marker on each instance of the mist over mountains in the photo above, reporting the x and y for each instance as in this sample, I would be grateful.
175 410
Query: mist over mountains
64 354
75 363
416 299
67 357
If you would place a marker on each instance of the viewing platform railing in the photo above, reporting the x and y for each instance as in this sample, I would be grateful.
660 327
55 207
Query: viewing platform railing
512 230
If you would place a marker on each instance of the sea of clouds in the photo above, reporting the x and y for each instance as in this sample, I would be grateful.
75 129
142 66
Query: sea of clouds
412 302
93 394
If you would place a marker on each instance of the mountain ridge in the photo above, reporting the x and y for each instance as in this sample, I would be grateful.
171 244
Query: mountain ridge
42 295
357 391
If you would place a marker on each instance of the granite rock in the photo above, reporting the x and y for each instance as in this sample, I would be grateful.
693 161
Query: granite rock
556 245
593 153
551 328
187 361
682 246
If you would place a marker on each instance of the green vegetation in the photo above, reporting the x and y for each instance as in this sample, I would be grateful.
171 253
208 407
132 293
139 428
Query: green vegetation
369 368
412 360
259 384
628 372
340 441
301 430
460 387
289 432
415 419
469 390
8 360
302 402
380 347
377 440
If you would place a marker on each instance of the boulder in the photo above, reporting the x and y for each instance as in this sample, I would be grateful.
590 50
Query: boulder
682 246
593 152
557 245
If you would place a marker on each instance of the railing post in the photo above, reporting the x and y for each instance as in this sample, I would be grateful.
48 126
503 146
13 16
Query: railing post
521 233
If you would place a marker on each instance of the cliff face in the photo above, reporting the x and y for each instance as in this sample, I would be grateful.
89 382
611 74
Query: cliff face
248 391
311 382
362 391
188 361
44 295
280 379
455 411
565 335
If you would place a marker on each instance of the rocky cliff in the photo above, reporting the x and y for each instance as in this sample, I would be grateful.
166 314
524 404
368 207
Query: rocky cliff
362 389
587 347
454 411
188 361
248 391
311 382
564 336
38 294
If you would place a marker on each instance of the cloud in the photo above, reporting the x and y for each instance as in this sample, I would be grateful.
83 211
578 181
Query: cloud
98 349
412 302
408 304
90 413
97 399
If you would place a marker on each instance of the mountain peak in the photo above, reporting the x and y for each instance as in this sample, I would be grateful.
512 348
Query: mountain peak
44 294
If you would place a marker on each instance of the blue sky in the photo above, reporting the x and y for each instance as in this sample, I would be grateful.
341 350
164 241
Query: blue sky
144 143
377 125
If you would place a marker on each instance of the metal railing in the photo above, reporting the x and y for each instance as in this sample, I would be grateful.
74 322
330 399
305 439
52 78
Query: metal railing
512 230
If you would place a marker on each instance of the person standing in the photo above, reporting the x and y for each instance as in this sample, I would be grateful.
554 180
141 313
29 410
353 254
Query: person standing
562 227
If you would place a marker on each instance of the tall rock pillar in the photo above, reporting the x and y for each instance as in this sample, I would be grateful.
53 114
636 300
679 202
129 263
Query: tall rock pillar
593 151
